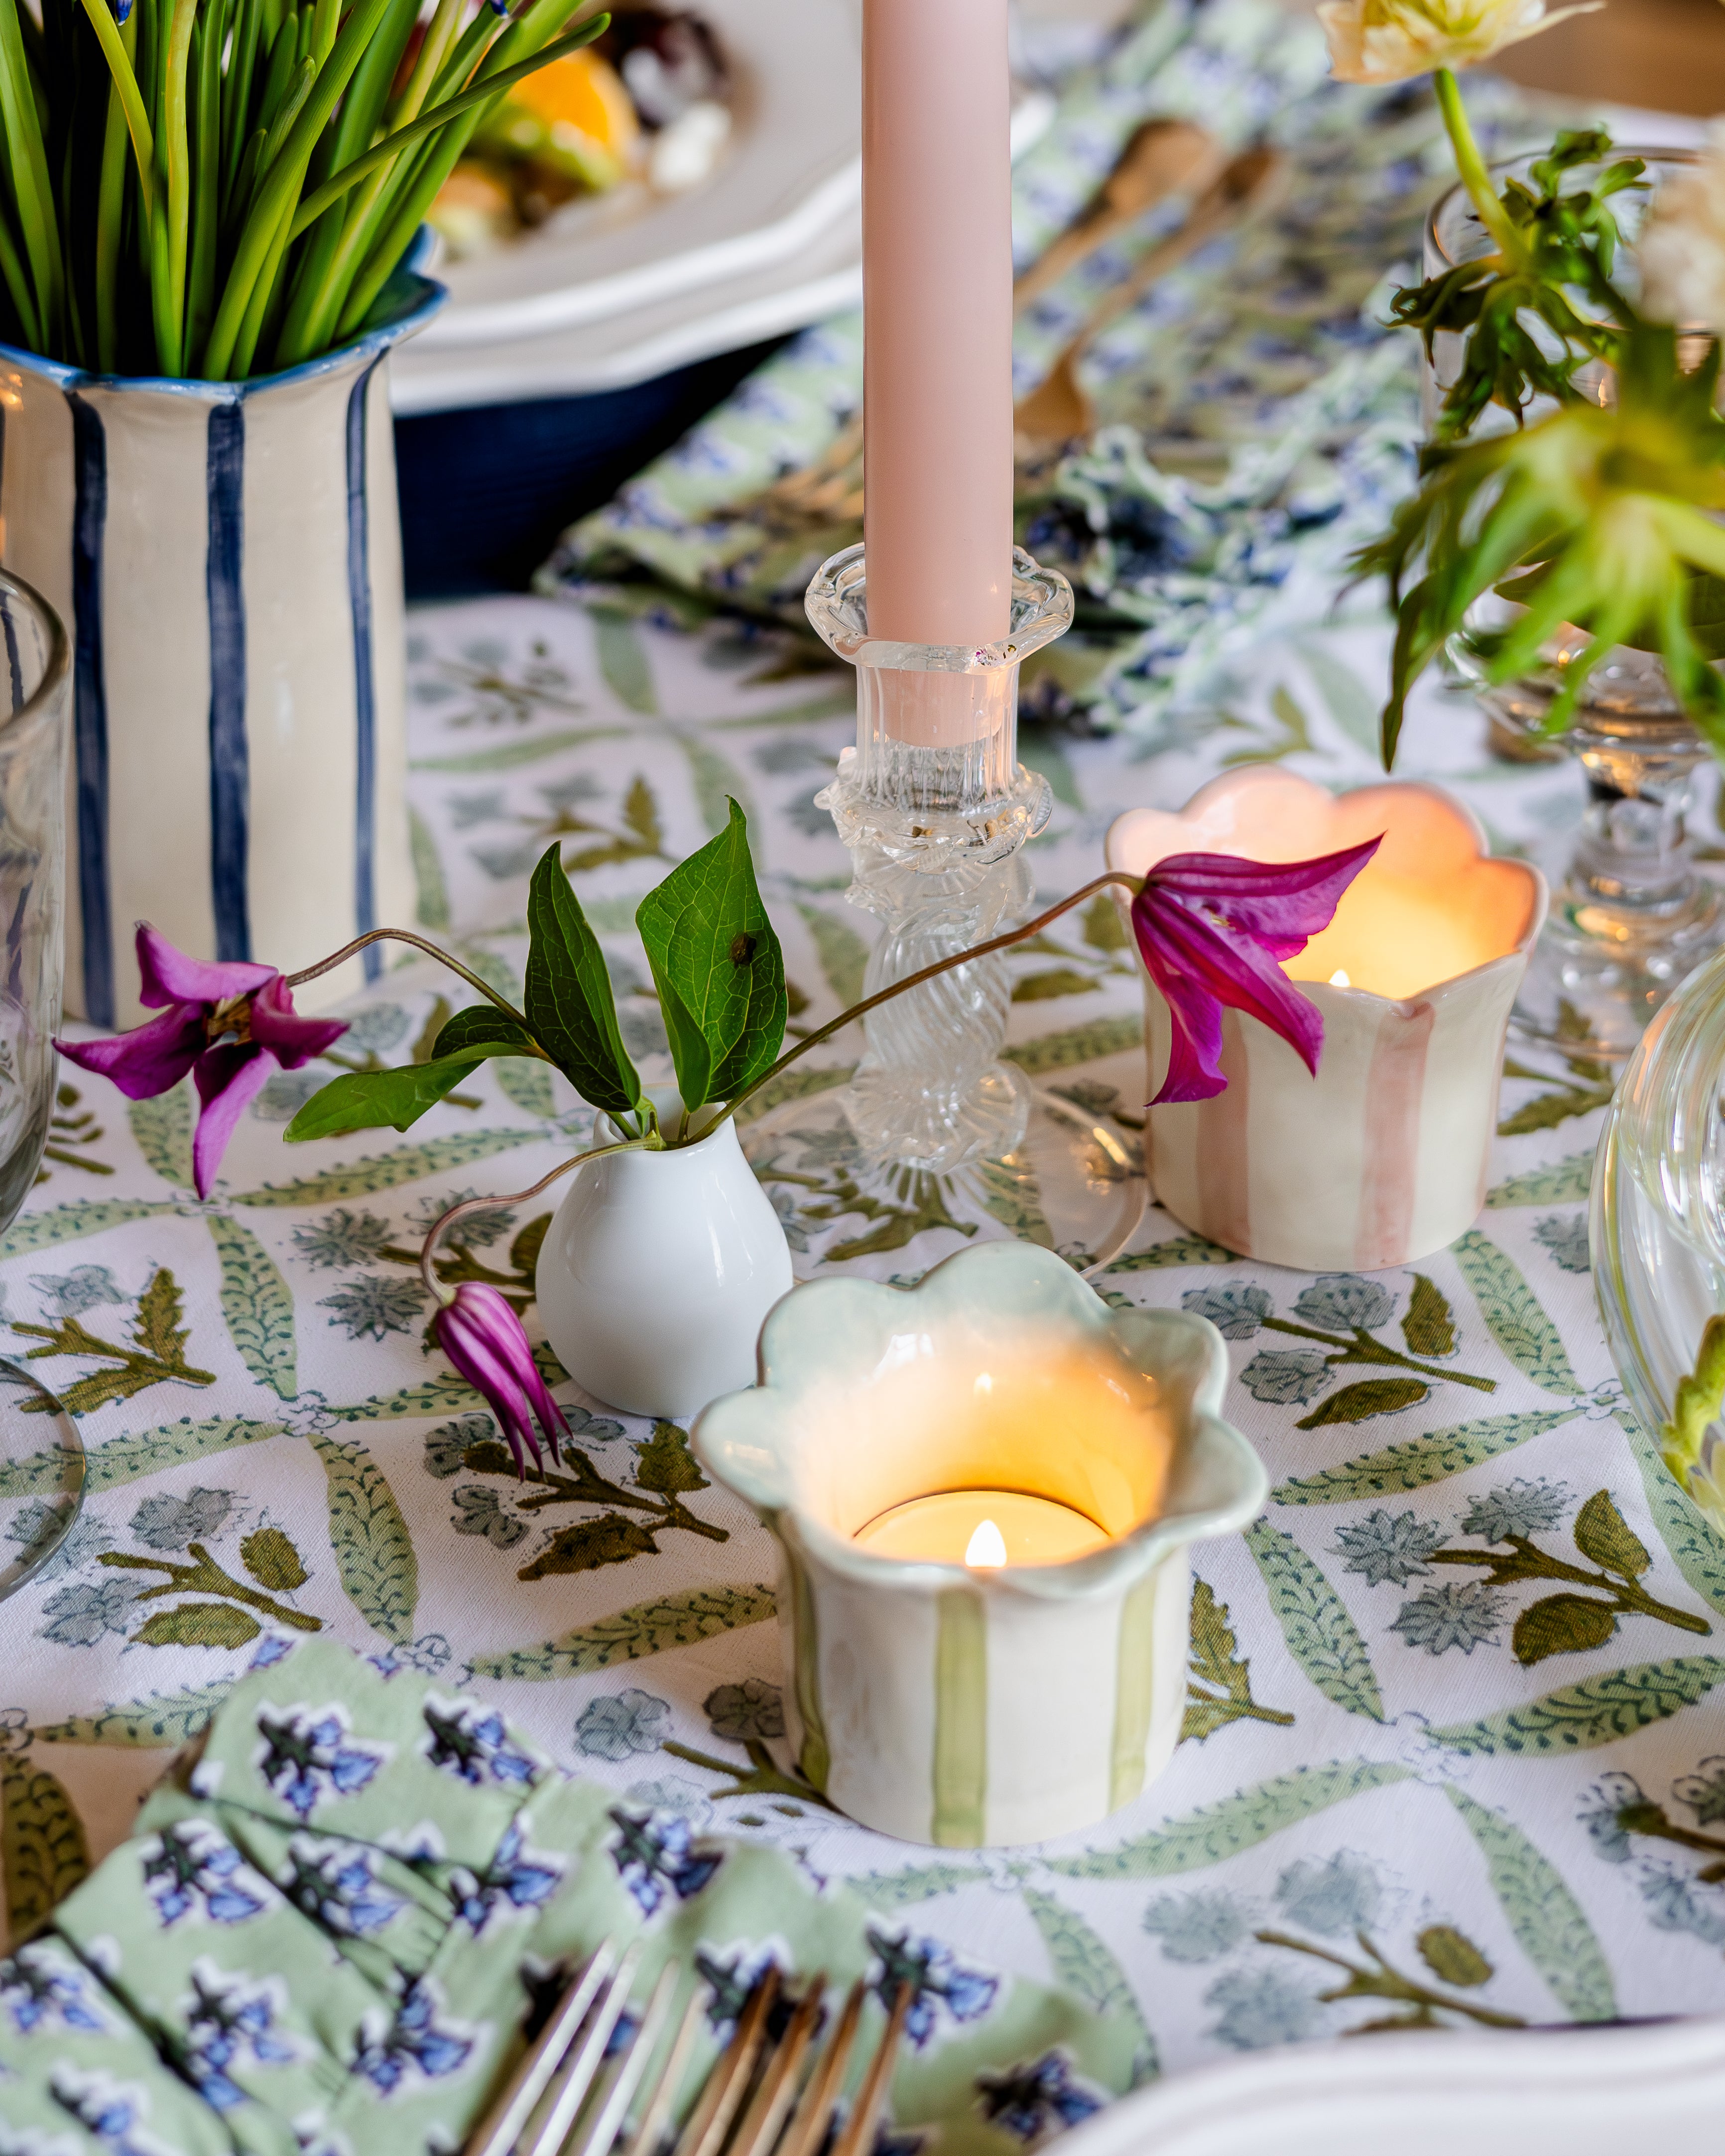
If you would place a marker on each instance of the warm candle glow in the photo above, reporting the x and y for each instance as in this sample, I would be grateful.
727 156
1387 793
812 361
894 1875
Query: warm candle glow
982 1528
1395 935
1339 979
986 1546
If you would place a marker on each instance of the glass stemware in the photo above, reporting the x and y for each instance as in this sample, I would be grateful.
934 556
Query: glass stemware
1632 914
41 1465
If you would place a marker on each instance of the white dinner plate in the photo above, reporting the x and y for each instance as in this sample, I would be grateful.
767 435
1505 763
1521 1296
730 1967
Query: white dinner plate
791 169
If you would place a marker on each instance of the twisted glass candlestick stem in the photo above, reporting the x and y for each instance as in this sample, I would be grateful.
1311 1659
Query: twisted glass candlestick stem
935 806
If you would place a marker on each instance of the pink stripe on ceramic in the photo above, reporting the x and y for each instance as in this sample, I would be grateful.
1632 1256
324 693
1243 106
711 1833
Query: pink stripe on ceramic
1381 1159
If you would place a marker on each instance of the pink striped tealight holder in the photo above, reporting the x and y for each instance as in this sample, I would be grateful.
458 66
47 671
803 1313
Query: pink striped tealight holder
1381 1159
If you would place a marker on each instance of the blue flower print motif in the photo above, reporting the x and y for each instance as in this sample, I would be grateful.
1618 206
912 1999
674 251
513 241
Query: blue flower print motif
1566 1239
1523 1508
1196 1927
473 1741
1335 1897
305 1759
1674 1906
1345 1303
111 2113
1236 1308
522 1882
1030 2100
1259 2007
228 2021
37 1991
1439 1618
415 2044
1286 1377
1381 1548
618 1723
1603 1811
197 1867
654 1853
335 1885
732 1983
271 1648
936 1978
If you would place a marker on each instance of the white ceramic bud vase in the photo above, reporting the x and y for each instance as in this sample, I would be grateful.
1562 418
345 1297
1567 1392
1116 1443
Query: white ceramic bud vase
658 1271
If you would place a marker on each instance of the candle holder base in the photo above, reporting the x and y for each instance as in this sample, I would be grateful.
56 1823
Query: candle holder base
1072 1181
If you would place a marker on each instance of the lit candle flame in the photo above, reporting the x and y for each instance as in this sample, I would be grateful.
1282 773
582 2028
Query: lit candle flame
1339 979
986 1546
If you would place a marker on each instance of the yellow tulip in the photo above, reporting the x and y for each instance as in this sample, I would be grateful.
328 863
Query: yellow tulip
1381 41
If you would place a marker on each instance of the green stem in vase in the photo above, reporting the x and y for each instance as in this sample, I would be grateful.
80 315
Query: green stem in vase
1471 167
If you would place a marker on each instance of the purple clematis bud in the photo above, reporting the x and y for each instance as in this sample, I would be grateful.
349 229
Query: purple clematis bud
1212 929
232 1025
487 1342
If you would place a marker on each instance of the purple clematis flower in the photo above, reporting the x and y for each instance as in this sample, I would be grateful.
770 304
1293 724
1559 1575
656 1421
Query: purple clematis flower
233 1025
479 1333
1212 929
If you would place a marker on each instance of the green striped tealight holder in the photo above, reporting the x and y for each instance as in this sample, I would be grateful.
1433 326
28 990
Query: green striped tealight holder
972 1703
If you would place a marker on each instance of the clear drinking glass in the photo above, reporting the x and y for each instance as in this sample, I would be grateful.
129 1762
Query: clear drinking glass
1632 915
41 1457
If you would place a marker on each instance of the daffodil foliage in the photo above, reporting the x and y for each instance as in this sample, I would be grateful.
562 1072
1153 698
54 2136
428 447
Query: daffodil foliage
1600 517
1541 306
716 965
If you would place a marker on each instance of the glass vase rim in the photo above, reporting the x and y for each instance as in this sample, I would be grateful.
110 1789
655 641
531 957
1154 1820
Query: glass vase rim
44 707
1649 153
1043 593
417 299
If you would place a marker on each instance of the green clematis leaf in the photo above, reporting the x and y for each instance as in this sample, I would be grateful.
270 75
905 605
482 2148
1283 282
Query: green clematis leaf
569 1004
481 1026
718 968
371 1099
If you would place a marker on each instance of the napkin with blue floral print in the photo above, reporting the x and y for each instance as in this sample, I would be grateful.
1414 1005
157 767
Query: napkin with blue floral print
345 1908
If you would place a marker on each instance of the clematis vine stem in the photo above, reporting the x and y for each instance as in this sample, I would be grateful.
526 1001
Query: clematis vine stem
652 1142
420 943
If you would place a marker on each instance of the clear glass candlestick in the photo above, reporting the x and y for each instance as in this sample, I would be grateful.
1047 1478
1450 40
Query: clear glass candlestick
935 809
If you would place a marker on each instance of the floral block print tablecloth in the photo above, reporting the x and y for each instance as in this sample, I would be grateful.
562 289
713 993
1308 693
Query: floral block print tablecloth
1455 1744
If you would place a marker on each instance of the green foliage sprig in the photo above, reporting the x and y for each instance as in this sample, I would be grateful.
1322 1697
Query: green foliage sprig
218 189
1523 337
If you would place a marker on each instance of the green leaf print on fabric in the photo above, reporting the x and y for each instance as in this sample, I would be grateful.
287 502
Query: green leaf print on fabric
649 1627
1429 1324
799 1083
622 661
42 1851
1418 1460
161 1130
374 1552
665 1463
842 953
88 1216
1322 1637
1349 702
1696 1546
1372 1396
1240 1822
1077 1044
387 1171
431 907
1547 1921
271 1559
165 1718
1085 1966
1054 982
198 1625
258 1305
513 755
156 1357
133 1453
1218 1678
437 1395
716 781
1566 1182
1514 1315
918 1882
1014 1197
1597 1711
525 1082
588 1544
1179 1251
213 1625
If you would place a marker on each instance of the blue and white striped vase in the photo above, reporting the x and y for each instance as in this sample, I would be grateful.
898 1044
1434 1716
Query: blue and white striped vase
227 559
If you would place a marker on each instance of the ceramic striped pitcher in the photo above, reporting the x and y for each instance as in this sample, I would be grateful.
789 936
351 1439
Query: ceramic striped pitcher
227 559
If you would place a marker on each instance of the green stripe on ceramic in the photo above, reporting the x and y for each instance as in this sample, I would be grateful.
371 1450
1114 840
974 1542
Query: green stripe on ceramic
814 1759
1134 1692
961 1718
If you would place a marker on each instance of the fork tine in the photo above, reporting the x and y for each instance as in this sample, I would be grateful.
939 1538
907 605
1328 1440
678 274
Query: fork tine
860 2128
808 2121
777 2088
621 2093
548 2129
716 2104
498 2131
649 2132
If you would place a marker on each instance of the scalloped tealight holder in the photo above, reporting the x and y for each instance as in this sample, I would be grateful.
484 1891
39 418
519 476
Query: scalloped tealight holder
1380 1159
949 1697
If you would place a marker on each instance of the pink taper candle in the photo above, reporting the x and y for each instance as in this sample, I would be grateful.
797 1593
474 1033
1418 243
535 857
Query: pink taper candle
938 333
